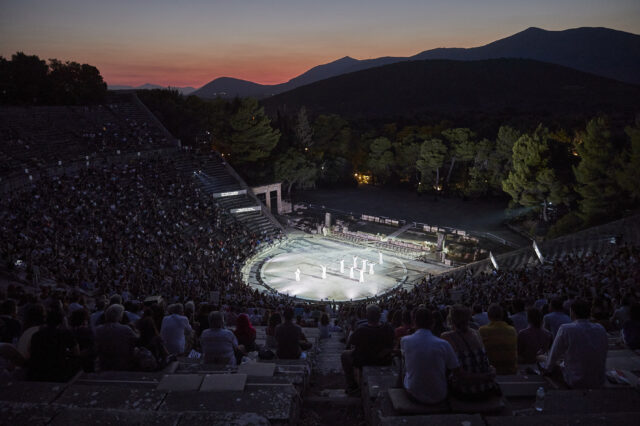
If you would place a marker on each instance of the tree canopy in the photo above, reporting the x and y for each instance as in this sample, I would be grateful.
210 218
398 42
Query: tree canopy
29 80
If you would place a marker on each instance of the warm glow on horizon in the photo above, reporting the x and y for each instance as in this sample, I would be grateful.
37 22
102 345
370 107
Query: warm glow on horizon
190 43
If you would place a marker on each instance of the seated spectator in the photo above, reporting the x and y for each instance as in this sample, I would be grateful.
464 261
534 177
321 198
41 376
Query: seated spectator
11 329
219 345
79 325
324 327
290 339
34 319
404 329
623 313
245 333
114 341
101 305
500 341
370 344
533 340
479 317
54 351
76 302
631 328
175 327
11 361
150 340
554 319
519 317
427 361
274 321
476 379
583 346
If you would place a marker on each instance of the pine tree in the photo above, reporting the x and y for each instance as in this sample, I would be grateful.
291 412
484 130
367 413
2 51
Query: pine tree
304 134
295 169
532 182
628 176
380 158
252 137
595 174
432 155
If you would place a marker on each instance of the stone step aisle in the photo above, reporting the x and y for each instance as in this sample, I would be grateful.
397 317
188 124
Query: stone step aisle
326 402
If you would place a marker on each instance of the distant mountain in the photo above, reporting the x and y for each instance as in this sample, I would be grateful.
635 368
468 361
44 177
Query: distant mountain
148 86
602 51
447 88
227 87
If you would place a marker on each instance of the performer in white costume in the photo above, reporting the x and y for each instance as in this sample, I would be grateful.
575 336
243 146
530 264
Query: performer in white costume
361 275
355 259
364 264
342 266
324 272
351 272
380 257
298 274
371 269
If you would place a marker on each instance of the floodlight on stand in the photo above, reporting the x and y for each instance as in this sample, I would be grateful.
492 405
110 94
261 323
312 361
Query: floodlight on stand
538 252
493 261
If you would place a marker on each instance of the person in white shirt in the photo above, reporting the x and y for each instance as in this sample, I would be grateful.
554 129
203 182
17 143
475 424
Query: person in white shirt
554 319
519 318
218 344
174 328
583 346
479 317
427 360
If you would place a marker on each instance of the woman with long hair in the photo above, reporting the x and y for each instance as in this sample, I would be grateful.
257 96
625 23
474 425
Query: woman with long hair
476 380
151 341
245 333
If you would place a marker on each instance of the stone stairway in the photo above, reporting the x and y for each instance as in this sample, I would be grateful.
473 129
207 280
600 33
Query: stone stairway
215 178
326 402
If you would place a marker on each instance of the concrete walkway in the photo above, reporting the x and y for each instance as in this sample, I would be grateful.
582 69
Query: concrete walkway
398 232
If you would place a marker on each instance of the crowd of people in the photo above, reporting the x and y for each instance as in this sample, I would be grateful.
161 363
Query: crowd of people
41 136
54 335
112 235
541 317
140 228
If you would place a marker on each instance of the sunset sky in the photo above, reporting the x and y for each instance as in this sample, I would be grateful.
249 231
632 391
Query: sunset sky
190 42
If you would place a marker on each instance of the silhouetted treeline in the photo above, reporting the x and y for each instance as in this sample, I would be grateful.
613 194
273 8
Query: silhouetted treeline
29 80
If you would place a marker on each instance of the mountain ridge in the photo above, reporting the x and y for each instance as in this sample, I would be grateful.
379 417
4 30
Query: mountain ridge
602 51
441 87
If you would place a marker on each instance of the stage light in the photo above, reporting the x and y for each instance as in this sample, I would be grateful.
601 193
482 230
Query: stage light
538 253
493 261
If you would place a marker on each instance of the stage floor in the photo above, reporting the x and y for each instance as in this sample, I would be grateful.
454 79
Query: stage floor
310 253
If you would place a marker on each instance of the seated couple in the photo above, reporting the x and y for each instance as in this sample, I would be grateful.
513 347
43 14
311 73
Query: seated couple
457 364
220 346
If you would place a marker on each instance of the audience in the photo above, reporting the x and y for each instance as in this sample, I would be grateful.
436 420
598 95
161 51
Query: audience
54 350
500 341
427 361
245 333
554 319
475 380
370 344
324 326
533 340
175 327
519 317
290 339
151 341
219 345
631 328
582 345
115 342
